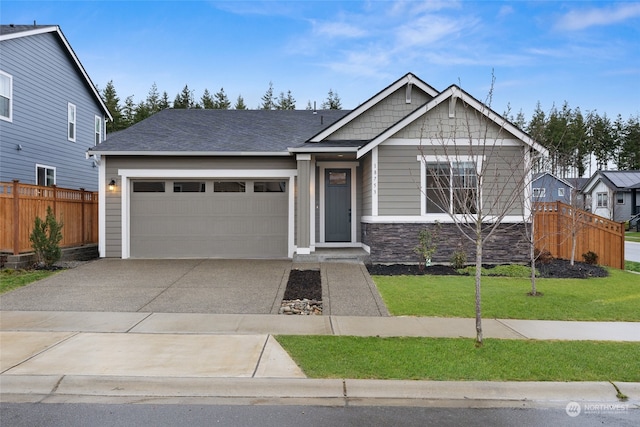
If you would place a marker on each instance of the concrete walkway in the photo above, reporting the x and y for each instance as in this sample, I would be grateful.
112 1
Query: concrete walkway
188 357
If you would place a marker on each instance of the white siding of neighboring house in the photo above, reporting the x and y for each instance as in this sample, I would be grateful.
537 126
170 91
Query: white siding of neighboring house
605 212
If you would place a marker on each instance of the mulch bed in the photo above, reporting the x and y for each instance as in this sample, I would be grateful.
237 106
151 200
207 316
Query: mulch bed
304 284
556 268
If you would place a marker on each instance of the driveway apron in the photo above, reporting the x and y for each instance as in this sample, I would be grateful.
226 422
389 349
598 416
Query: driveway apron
191 286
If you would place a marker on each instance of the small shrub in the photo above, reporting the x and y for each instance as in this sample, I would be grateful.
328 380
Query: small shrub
458 258
45 239
590 257
427 244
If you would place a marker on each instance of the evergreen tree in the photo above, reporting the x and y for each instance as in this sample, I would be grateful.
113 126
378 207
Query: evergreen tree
309 107
630 145
332 102
267 99
128 112
240 105
207 100
184 99
601 139
286 102
164 101
153 99
141 112
578 137
112 102
221 101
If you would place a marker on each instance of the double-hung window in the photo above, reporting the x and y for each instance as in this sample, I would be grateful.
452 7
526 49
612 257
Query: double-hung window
539 193
98 130
450 185
602 200
6 96
71 120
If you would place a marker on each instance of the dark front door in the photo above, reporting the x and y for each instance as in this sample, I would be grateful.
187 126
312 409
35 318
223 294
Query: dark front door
337 214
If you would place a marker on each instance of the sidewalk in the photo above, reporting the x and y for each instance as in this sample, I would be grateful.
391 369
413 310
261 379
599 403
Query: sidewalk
221 358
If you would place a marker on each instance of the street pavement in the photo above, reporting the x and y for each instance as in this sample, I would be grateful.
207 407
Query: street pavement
632 251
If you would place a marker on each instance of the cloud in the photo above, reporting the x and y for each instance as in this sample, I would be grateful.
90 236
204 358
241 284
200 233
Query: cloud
581 19
338 30
505 11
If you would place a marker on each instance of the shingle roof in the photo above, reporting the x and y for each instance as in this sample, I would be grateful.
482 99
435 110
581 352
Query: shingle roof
178 130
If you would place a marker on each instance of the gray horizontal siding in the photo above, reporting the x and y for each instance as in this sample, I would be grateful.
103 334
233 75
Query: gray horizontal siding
45 80
367 190
399 179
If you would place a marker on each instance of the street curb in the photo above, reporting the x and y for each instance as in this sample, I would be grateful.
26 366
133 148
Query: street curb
323 392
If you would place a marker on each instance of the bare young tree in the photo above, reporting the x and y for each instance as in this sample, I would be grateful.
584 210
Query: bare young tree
475 174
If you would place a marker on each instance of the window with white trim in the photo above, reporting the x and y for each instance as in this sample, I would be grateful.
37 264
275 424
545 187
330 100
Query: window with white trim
620 198
6 96
45 175
561 192
602 200
539 193
98 130
450 185
71 122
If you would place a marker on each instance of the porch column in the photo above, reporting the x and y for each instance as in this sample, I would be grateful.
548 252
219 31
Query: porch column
303 204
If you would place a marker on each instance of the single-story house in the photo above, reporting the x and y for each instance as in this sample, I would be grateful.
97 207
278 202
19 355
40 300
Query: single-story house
255 183
614 195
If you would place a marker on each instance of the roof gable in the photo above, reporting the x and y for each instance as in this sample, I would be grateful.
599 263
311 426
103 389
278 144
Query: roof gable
453 93
408 81
615 180
9 32
552 176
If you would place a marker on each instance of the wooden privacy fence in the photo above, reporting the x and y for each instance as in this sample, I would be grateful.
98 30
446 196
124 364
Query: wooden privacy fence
555 223
20 204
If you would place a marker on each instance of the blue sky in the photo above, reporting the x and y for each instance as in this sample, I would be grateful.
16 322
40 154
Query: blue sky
585 53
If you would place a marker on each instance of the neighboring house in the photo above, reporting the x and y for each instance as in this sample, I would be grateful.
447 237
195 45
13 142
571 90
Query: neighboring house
50 111
546 187
250 184
614 195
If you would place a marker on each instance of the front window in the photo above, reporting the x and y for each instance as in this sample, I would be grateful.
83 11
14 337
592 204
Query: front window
6 96
98 130
539 193
71 119
620 198
602 200
45 175
451 186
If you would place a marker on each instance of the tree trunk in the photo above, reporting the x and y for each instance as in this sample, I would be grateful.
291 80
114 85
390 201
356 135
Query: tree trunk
478 282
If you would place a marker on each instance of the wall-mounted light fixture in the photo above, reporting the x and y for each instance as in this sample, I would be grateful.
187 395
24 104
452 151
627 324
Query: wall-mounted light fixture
112 185
19 147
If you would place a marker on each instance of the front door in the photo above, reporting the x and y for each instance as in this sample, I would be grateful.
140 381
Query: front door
337 215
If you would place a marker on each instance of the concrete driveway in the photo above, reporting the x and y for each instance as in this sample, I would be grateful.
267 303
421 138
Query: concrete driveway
193 286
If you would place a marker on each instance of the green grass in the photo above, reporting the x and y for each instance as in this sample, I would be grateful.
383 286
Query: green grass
11 279
632 266
613 298
458 359
632 236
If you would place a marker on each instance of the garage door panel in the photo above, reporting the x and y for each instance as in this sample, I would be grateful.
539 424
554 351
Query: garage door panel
238 225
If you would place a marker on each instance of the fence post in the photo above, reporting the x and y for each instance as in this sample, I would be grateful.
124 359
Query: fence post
16 218
55 201
82 215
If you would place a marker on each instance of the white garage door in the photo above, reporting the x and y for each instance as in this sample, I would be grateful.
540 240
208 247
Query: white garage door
209 218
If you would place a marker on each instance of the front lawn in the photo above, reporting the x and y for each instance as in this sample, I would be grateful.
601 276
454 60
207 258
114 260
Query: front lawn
632 236
11 279
451 359
613 298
